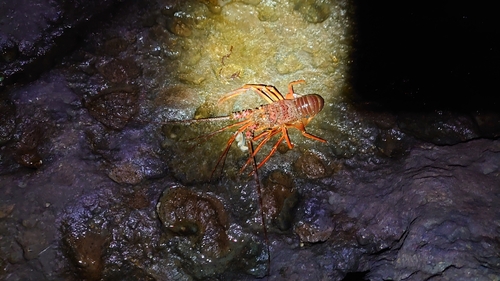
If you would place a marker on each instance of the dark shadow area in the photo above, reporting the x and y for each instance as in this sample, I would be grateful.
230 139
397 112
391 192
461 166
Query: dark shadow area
355 276
421 56
61 27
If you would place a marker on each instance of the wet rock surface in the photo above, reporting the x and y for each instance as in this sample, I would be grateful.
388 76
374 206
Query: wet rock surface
199 217
197 229
96 185
436 214
442 128
279 199
86 253
33 35
7 120
113 109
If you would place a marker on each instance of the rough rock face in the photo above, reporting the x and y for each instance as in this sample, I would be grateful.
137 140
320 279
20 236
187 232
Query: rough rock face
33 34
439 218
199 217
433 215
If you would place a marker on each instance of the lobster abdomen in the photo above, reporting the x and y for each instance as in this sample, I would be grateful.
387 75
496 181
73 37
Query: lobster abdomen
309 105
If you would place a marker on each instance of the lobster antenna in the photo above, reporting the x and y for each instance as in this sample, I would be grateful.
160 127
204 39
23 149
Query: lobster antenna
208 119
262 215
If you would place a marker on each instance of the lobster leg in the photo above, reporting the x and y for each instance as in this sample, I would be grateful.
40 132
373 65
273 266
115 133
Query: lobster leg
300 126
267 136
283 130
273 150
307 135
269 93
290 95
211 134
287 138
271 90
238 91
222 158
